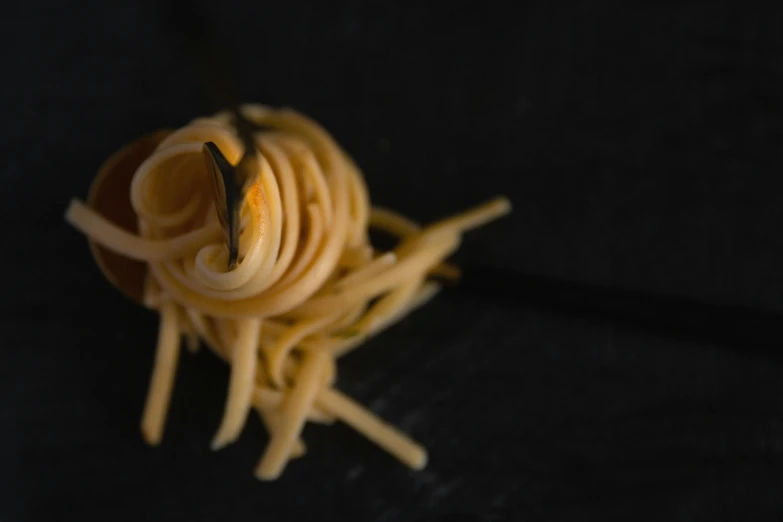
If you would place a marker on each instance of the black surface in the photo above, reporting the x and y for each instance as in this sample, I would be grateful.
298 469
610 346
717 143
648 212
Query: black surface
641 147
747 330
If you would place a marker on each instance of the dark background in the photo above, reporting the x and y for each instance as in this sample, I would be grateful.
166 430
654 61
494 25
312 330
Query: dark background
640 145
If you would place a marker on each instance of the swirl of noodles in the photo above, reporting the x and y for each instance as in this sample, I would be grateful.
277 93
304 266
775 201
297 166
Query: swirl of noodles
308 286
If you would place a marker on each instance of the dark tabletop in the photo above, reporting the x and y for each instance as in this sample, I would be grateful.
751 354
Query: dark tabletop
641 146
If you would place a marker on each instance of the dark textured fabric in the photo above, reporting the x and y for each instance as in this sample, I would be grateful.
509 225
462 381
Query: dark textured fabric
641 147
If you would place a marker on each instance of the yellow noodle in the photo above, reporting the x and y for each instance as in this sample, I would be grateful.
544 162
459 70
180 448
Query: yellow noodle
240 388
162 382
276 354
271 420
381 433
269 399
294 415
114 238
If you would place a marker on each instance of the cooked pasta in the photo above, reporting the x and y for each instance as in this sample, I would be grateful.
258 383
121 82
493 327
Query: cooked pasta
308 288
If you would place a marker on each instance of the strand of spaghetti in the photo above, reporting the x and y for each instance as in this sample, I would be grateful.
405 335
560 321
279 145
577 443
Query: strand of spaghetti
277 353
364 273
311 173
271 420
270 399
381 433
315 233
415 263
393 223
240 388
476 216
162 381
196 134
109 235
384 310
294 414
281 167
339 347
458 224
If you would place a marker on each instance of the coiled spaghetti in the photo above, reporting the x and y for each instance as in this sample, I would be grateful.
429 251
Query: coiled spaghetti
308 288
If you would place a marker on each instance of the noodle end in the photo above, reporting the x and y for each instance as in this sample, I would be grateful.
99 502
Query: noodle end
151 433
221 440
418 459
